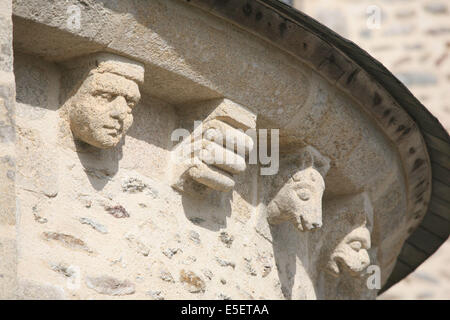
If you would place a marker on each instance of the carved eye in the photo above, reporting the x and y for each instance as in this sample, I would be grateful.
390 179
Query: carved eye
304 194
356 245
212 134
107 96
131 104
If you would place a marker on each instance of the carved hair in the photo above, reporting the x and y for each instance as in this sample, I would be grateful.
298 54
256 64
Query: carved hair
108 63
79 69
93 70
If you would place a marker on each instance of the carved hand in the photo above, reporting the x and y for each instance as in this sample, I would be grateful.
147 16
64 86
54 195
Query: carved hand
219 153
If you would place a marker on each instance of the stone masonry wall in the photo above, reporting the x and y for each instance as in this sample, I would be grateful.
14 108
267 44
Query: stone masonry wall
7 157
97 223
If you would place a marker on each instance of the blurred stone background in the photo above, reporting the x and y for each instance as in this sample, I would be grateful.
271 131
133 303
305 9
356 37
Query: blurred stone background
412 39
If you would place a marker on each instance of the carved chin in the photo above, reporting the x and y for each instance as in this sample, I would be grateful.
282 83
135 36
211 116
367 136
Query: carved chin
103 140
354 264
299 224
333 268
108 141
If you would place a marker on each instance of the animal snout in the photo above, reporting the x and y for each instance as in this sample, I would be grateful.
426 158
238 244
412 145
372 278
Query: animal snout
316 225
313 221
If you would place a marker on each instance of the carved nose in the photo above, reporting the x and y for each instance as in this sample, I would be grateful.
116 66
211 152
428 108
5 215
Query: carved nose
119 108
312 226
316 225
118 115
313 221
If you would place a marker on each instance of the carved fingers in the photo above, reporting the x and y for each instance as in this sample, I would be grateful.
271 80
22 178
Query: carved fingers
227 136
221 152
216 150
211 177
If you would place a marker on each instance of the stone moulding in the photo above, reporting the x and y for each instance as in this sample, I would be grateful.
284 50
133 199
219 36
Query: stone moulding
405 121
339 69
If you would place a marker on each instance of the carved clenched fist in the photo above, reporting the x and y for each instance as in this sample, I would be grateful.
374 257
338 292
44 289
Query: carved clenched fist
216 150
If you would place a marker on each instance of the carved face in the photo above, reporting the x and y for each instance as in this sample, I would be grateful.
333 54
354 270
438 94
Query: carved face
100 112
351 253
300 200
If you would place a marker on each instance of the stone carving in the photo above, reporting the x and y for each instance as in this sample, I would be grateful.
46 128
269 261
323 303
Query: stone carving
216 149
347 235
299 200
104 92
116 212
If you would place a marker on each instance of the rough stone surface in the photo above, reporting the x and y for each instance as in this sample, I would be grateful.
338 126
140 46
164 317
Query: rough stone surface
29 290
8 243
155 295
193 283
90 157
100 103
66 240
110 286
226 239
117 211
95 225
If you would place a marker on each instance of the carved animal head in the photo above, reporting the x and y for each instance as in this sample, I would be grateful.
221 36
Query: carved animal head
300 198
351 254
347 235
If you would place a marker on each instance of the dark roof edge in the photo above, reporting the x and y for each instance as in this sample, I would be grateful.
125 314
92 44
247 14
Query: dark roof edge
428 124
376 69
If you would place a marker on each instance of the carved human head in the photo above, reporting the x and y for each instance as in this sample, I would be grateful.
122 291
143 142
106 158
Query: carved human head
348 235
299 200
104 94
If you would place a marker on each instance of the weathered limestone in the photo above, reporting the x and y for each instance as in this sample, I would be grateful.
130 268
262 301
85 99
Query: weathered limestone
299 199
216 148
8 240
104 93
173 205
350 234
348 223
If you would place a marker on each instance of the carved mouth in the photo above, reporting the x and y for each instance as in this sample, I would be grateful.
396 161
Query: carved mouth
302 225
343 266
113 131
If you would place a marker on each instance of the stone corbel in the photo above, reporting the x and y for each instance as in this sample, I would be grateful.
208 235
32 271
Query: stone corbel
215 151
299 198
103 89
347 240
